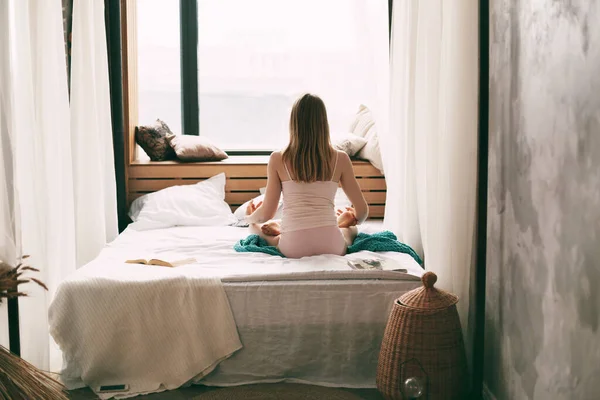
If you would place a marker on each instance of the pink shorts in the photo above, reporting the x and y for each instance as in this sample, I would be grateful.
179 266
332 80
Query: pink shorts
312 242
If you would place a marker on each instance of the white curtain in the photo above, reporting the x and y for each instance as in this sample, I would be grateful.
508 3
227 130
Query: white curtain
91 132
41 198
374 45
7 215
35 111
430 150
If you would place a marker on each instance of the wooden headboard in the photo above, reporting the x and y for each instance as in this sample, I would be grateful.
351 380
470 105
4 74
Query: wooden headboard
245 176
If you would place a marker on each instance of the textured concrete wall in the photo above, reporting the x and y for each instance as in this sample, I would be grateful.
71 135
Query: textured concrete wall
543 292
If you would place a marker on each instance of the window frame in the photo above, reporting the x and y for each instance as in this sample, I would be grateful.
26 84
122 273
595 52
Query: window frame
188 41
190 110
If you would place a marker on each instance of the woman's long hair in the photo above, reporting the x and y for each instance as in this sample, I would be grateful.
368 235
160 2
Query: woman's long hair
309 152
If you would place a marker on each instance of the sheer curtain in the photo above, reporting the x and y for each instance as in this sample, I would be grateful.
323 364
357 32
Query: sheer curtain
35 112
7 222
430 151
91 132
41 193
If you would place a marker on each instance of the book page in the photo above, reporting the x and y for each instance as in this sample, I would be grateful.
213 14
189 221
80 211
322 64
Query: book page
175 263
160 263
137 261
184 261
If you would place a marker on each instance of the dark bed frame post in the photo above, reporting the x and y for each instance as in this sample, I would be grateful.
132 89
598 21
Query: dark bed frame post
112 10
482 201
14 338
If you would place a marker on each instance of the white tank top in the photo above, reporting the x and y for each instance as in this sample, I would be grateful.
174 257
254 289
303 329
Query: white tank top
308 205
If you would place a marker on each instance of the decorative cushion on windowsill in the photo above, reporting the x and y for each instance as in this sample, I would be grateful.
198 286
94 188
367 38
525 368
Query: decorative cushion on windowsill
195 148
153 140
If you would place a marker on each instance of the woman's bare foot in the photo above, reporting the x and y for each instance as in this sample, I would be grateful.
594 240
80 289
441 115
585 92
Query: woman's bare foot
346 219
271 228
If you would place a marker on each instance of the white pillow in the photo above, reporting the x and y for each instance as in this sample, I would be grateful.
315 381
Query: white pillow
364 126
137 205
240 212
349 143
363 121
372 152
202 204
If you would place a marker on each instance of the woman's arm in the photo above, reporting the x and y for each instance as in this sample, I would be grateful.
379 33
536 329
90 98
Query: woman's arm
352 189
268 208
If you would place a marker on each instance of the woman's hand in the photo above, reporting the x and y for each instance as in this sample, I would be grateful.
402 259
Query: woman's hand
347 218
252 207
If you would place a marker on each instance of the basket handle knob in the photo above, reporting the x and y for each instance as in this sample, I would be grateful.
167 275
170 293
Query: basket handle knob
429 279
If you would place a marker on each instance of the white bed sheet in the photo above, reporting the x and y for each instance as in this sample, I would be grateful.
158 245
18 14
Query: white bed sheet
312 320
212 247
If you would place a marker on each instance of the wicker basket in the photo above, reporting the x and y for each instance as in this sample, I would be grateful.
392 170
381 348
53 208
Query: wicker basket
423 339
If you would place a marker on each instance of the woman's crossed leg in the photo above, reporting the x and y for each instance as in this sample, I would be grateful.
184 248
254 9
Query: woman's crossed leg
271 230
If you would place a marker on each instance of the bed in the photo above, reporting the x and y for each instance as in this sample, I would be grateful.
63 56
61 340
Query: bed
313 320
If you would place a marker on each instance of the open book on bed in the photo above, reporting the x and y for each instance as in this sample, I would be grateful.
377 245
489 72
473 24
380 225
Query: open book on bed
373 264
162 263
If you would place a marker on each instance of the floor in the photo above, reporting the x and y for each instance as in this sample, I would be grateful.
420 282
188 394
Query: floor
187 393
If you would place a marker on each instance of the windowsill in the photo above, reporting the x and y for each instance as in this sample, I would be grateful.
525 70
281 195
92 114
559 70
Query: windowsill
231 160
234 159
235 153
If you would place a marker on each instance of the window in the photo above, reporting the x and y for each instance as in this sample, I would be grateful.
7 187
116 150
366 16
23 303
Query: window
255 57
158 64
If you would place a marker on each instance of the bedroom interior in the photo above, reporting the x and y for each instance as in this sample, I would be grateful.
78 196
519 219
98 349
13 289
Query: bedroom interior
474 133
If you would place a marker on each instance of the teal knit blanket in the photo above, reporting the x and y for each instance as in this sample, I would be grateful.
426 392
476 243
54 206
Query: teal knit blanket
379 241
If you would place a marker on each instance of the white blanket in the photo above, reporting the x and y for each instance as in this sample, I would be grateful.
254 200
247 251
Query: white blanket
184 322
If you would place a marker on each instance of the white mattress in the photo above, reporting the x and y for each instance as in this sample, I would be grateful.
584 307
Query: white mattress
213 249
312 320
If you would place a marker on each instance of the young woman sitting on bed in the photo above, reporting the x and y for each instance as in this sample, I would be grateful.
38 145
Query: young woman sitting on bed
308 172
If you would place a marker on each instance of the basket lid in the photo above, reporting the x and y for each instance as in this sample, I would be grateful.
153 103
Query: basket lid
428 297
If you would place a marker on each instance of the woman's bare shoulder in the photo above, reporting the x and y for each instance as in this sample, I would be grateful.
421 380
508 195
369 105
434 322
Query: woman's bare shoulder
343 159
275 157
275 161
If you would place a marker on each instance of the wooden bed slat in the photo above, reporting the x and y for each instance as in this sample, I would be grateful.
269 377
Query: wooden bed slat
236 198
152 185
376 212
371 184
197 171
375 197
365 169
